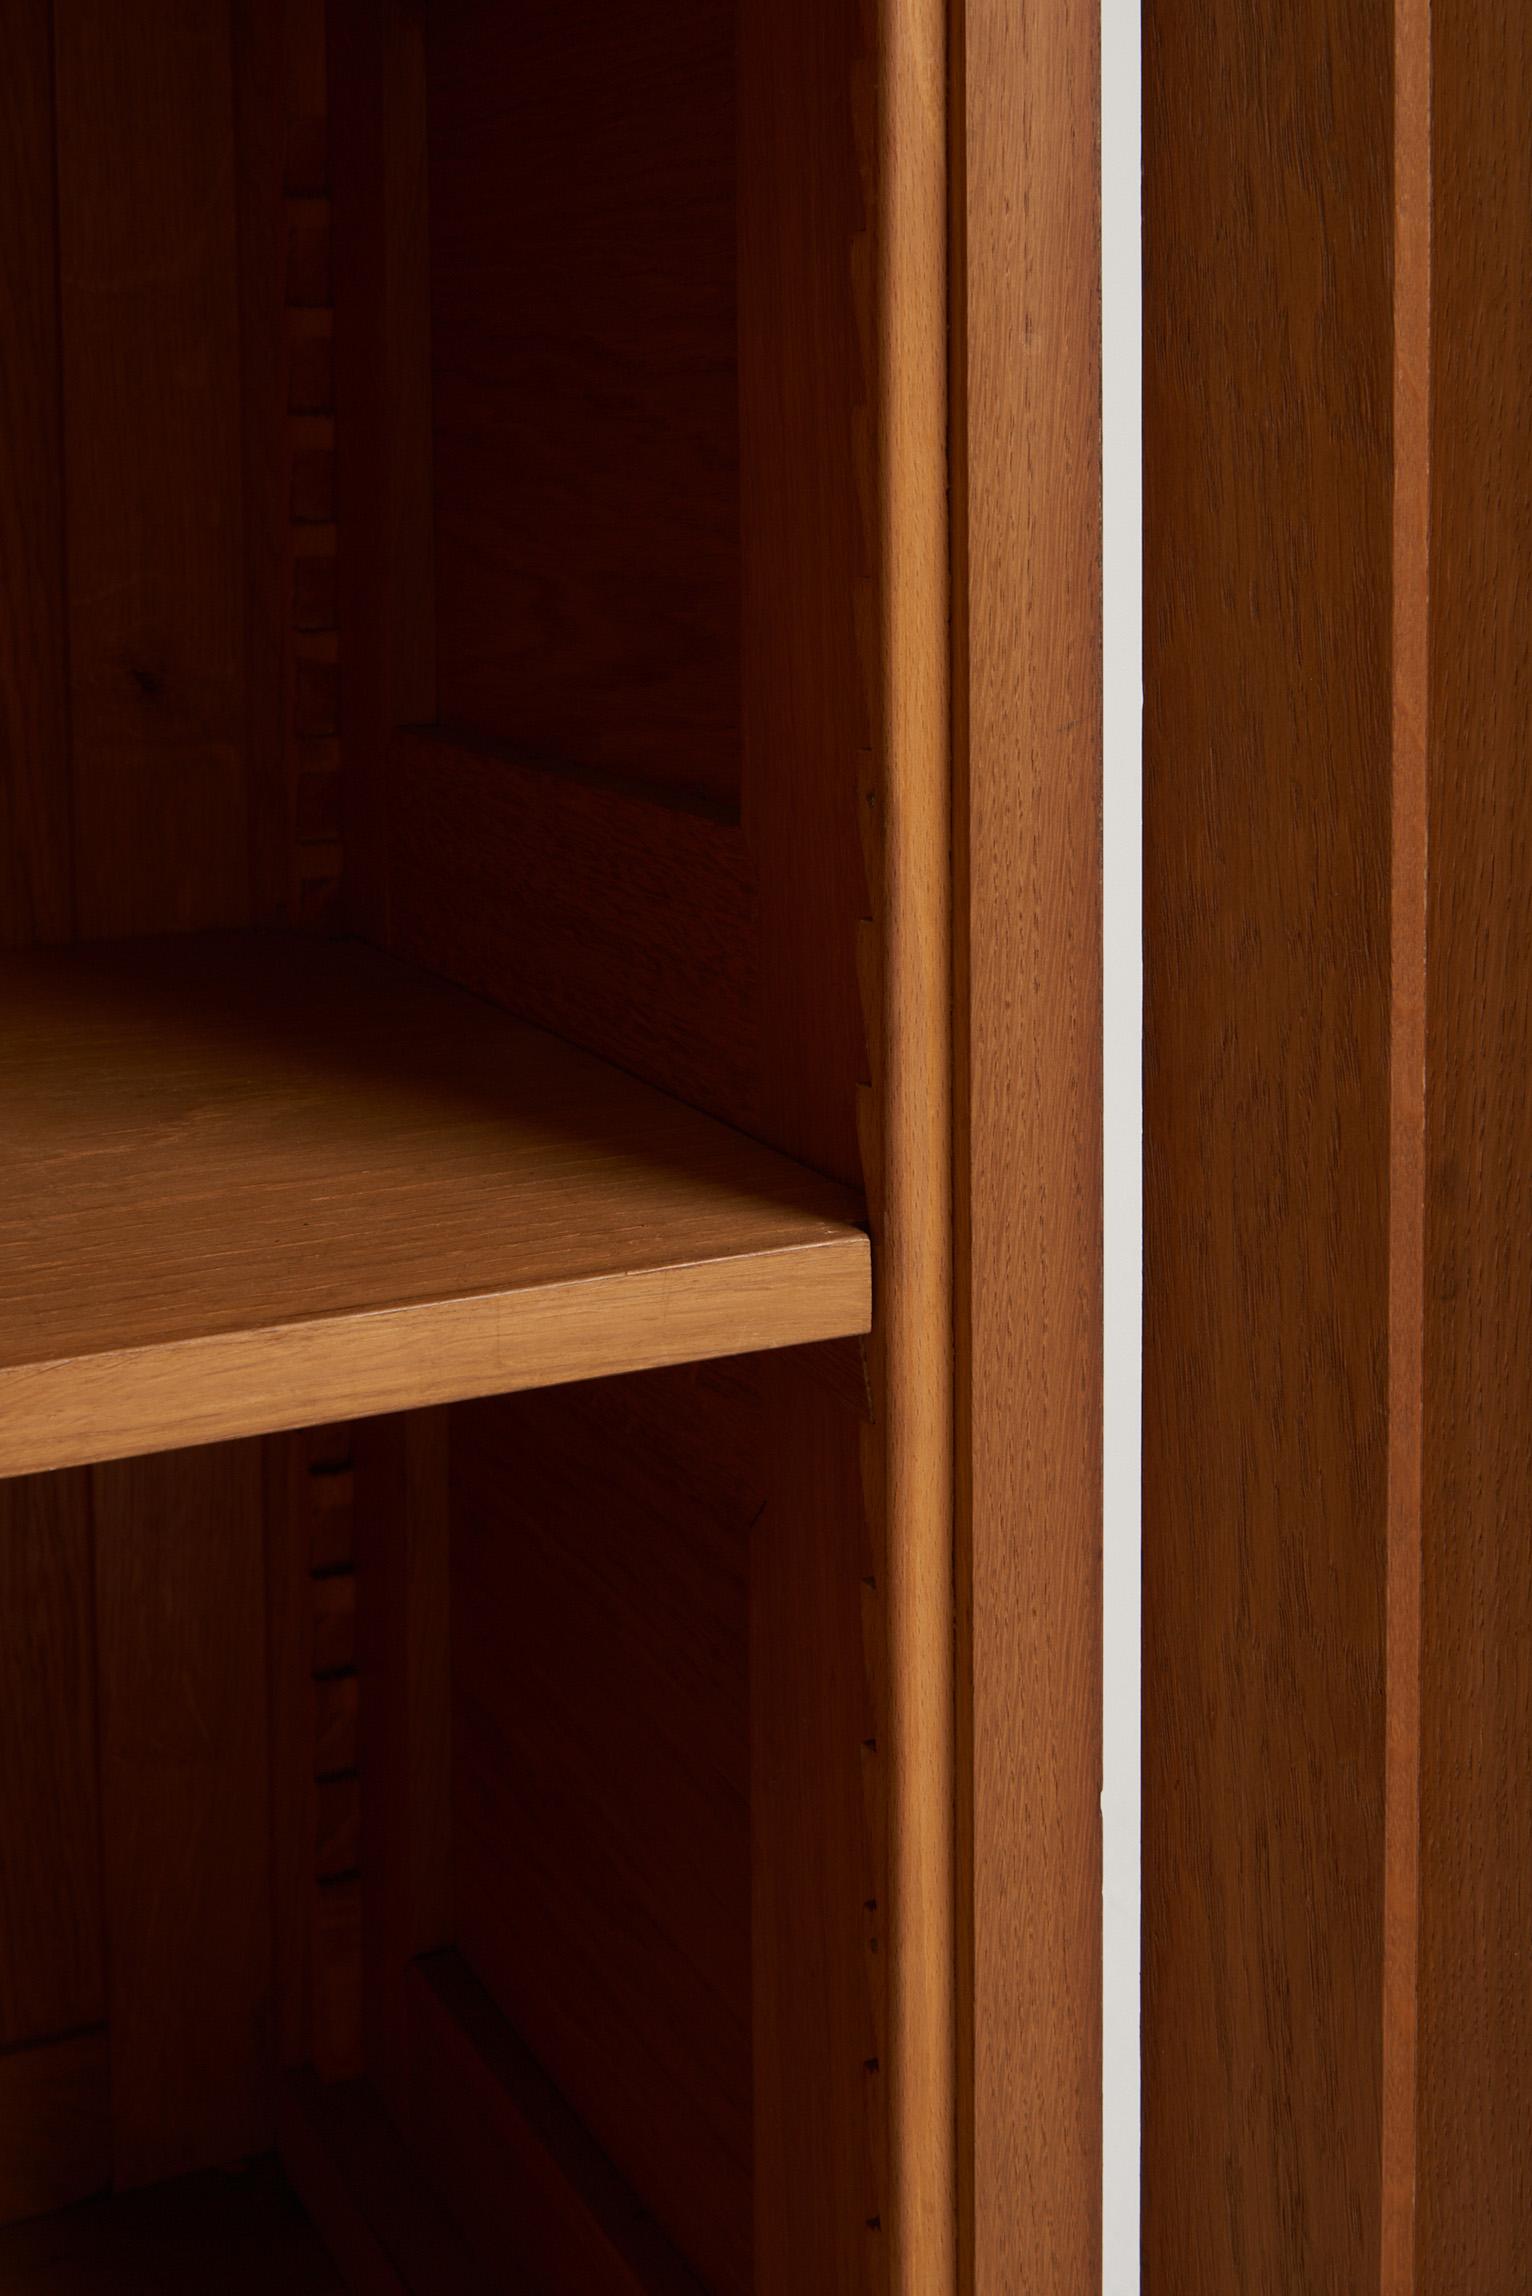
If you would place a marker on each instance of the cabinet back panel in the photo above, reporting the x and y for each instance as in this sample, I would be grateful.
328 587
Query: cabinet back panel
583 378
150 686
150 336
52 1958
601 1767
698 915
36 900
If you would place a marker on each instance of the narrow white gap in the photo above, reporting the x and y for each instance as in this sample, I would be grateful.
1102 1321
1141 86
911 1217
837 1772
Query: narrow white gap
1122 543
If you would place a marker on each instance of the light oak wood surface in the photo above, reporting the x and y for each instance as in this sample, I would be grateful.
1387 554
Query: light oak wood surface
908 1482
251 1183
1027 900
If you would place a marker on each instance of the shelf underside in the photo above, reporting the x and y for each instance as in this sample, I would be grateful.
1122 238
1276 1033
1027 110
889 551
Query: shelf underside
256 1181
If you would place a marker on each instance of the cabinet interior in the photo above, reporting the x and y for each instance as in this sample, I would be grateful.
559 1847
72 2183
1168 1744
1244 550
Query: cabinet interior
440 1555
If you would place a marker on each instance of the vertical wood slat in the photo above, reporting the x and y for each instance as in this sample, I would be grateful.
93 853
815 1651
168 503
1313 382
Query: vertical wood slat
1410 633
151 390
1027 860
1474 2030
180 1604
1269 388
35 885
912 1189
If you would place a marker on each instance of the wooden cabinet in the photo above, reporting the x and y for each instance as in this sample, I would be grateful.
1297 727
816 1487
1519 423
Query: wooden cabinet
549 1179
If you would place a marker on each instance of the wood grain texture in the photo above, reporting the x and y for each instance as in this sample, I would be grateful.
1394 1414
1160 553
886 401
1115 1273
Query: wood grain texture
151 378
913 1079
180 1627
601 1769
582 219
55 2125
1474 2219
36 896
1027 622
1407 1134
241 2233
52 1952
1269 235
521 2172
298 1181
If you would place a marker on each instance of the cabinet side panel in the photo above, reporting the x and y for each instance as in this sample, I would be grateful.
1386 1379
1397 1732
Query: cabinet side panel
1268 391
823 825
1474 2191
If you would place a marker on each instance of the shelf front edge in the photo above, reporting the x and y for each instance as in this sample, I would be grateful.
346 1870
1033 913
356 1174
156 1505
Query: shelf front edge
222 1385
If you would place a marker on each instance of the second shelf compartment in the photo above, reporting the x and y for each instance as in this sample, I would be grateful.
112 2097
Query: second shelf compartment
250 1181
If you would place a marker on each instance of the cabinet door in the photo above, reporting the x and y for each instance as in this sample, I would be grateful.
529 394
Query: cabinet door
1338 1582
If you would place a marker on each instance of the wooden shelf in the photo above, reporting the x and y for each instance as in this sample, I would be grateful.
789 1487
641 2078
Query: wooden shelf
257 1181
